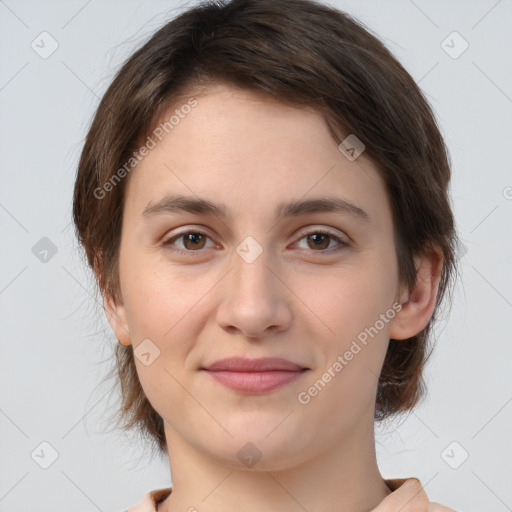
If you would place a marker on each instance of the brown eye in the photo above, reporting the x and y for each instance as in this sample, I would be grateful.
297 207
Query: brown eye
318 240
192 241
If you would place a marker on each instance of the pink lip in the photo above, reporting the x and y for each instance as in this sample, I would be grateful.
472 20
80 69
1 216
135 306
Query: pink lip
254 375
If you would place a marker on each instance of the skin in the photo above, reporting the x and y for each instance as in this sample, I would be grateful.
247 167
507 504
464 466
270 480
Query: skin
250 152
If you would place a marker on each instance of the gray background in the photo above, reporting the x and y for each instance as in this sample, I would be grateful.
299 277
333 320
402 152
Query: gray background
53 347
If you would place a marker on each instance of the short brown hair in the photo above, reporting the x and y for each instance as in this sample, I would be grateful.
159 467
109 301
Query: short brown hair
302 53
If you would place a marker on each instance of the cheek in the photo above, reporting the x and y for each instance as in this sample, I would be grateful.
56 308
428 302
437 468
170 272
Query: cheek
164 307
156 305
348 299
344 384
349 303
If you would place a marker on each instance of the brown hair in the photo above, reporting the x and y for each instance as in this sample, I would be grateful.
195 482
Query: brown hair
302 53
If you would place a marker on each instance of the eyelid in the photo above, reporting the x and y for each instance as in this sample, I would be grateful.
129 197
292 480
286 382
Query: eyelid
316 228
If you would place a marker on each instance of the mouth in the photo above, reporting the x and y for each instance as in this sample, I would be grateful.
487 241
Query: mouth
254 375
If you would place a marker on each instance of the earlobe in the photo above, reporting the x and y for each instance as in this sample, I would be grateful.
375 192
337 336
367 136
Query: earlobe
418 303
116 315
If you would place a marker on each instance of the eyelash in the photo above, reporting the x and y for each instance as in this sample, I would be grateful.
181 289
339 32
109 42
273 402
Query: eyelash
342 244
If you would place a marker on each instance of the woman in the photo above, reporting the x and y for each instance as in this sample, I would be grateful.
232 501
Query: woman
262 196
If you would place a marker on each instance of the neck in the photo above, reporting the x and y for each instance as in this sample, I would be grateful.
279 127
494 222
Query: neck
342 477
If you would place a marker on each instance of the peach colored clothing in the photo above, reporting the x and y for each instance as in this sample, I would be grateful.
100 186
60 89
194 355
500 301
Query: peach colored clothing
407 495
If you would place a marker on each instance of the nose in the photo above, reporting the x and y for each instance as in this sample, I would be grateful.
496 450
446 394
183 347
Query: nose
255 298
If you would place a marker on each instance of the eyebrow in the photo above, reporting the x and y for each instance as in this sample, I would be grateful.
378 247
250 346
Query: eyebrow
180 203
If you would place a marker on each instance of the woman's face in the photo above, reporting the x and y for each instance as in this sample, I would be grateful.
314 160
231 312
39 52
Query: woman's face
256 284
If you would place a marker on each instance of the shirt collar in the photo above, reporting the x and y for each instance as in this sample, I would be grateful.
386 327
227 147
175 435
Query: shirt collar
407 495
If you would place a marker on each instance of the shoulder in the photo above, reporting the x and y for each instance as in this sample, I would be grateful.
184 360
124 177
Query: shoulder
150 500
407 495
436 507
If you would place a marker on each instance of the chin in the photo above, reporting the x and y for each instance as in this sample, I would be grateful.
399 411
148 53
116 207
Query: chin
254 447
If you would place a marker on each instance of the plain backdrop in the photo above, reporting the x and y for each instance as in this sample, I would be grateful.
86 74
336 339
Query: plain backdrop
55 347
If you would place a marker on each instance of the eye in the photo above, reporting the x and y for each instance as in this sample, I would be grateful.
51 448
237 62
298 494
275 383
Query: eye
319 241
192 241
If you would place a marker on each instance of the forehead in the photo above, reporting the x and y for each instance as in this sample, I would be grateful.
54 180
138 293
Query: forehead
250 152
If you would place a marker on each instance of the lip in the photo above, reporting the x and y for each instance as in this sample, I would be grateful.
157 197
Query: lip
262 364
254 375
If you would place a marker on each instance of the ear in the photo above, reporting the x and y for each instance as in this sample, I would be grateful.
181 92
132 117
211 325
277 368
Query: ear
418 304
116 314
